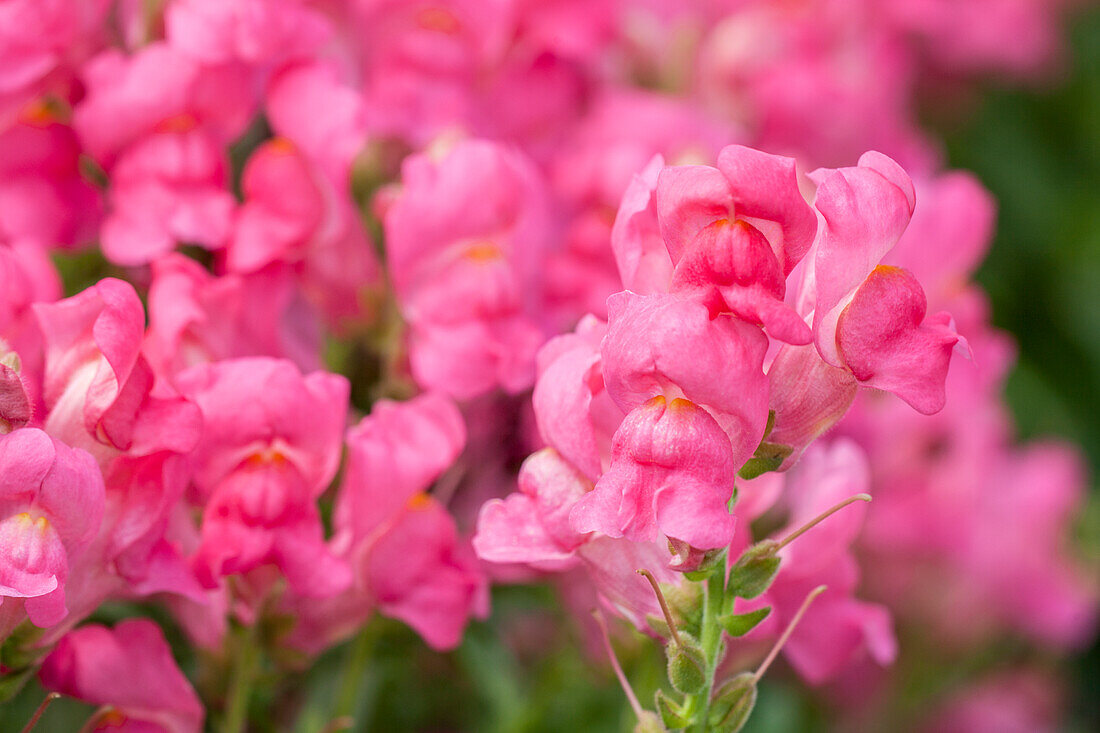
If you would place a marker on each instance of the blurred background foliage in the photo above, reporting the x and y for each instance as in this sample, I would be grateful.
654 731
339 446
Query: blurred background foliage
1038 150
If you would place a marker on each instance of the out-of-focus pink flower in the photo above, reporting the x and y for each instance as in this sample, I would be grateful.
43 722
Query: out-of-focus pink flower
167 189
157 89
464 241
51 503
1014 36
270 447
421 61
29 277
330 140
253 32
195 317
672 474
127 671
870 318
43 196
99 388
407 559
1018 701
42 42
661 345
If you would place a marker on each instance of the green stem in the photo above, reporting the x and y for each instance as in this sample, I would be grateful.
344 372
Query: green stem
351 683
245 667
710 639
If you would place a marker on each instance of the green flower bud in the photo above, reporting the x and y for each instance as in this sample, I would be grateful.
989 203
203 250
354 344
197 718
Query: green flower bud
733 703
672 714
686 665
754 571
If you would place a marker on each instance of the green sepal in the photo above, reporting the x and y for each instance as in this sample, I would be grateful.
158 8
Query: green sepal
739 624
733 704
754 571
13 681
768 457
686 665
672 713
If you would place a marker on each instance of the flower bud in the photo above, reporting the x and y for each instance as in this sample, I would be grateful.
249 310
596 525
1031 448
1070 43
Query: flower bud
754 571
733 704
672 713
686 665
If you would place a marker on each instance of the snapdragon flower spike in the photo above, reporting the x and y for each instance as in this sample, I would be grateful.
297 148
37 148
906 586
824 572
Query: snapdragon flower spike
870 318
661 344
672 474
51 506
270 447
127 671
99 388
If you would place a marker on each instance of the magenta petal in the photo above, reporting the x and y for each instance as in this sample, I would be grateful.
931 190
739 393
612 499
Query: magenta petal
885 340
689 198
765 187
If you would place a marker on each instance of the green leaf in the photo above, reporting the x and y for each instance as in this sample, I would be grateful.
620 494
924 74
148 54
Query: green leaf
768 457
739 624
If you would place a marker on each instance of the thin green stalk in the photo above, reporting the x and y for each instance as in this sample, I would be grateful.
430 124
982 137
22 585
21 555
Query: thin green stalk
351 683
710 639
246 665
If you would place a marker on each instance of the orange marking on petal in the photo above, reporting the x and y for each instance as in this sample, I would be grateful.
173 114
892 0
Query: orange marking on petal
281 145
438 19
419 502
179 123
485 251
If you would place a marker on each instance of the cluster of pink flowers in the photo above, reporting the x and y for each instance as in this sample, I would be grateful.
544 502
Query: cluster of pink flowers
473 206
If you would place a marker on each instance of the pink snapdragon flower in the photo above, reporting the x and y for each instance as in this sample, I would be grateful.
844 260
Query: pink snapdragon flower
252 32
51 501
574 413
42 43
196 317
533 526
99 388
869 318
129 673
407 559
712 360
270 447
672 474
464 241
169 188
